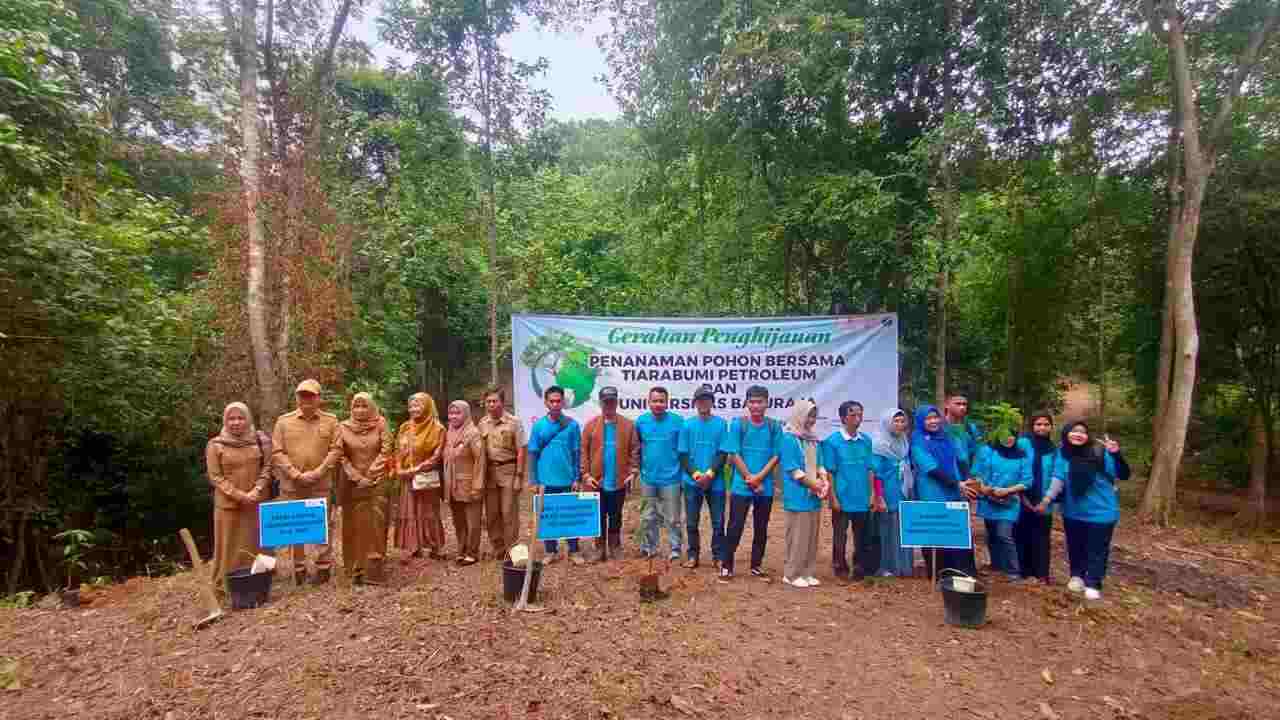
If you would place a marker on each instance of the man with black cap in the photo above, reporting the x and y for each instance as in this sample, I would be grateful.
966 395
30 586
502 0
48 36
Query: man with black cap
304 459
610 455
703 462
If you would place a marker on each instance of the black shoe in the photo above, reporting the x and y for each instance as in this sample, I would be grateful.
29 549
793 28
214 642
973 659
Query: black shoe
725 576
759 572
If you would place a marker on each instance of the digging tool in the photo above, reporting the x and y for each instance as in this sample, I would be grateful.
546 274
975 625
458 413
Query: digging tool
523 602
206 582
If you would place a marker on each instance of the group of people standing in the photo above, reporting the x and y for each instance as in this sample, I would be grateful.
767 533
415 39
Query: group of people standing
732 467
476 468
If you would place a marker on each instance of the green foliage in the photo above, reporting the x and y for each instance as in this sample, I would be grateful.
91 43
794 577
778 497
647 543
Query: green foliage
1001 421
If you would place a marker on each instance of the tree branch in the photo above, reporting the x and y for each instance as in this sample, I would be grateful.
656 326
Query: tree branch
1248 59
325 66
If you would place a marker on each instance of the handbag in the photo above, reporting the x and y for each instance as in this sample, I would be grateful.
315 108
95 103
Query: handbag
427 480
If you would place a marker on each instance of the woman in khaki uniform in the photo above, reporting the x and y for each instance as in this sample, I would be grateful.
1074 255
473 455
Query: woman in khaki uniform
240 474
364 444
419 444
464 473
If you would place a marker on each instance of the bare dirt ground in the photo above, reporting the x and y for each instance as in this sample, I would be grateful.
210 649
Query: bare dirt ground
1179 635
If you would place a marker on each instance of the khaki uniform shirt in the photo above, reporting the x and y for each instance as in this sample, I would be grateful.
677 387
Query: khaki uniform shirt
299 445
503 440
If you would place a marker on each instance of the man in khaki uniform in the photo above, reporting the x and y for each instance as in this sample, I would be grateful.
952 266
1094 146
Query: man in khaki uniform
505 446
304 459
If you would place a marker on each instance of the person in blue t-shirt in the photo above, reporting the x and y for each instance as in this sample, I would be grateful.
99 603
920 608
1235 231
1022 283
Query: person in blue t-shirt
1004 468
555 445
938 479
1033 531
753 444
966 435
804 487
848 457
1086 474
702 459
892 466
659 434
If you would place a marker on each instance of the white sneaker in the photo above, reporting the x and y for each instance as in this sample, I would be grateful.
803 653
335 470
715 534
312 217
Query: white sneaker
798 582
1091 594
813 581
1076 585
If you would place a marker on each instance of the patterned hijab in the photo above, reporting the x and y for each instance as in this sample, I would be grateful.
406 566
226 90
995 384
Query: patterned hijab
461 434
246 438
419 439
896 447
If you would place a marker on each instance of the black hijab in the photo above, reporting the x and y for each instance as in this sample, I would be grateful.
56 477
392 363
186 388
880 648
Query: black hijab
1040 447
1085 461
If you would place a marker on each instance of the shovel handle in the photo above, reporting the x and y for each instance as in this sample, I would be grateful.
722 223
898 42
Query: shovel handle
206 586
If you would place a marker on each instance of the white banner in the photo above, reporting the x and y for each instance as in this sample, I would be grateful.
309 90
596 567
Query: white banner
827 359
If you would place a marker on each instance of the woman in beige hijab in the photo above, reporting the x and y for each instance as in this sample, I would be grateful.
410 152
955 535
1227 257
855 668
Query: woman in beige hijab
464 474
804 487
419 444
364 445
239 471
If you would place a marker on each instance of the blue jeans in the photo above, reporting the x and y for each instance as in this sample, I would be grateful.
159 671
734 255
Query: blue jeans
1004 551
1088 550
693 497
661 509
553 546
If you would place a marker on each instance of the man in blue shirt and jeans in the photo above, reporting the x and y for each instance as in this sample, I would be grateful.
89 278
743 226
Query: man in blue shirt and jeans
659 434
703 462
555 446
753 444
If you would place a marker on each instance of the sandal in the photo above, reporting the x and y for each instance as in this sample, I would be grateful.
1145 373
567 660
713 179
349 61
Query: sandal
689 564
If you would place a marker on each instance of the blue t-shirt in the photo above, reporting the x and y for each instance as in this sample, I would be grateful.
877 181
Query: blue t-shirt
557 454
609 458
850 464
756 445
1099 504
659 453
927 488
999 471
796 497
966 437
701 440
888 469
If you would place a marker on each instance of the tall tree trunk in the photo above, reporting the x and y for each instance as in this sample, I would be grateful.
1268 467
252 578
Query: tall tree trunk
1254 513
948 200
1198 160
270 399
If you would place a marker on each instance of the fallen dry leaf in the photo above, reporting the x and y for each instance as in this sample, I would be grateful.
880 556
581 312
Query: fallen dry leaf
1046 676
683 705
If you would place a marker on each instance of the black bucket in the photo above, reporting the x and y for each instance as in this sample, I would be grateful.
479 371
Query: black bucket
963 609
248 589
513 581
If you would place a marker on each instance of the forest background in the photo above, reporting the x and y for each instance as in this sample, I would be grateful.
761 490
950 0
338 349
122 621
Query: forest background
206 200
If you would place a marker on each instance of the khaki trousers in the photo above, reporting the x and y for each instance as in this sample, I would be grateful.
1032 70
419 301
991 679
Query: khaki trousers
467 523
502 516
802 544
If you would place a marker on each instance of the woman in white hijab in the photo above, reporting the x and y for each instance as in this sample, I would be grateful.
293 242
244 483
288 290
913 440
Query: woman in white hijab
802 494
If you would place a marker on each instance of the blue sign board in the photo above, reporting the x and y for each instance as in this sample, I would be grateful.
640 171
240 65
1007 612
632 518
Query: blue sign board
935 524
569 515
293 522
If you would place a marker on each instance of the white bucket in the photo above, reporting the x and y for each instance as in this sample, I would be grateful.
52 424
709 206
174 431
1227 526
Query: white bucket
519 555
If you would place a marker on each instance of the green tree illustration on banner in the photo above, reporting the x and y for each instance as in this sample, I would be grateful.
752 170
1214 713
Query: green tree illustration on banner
567 359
